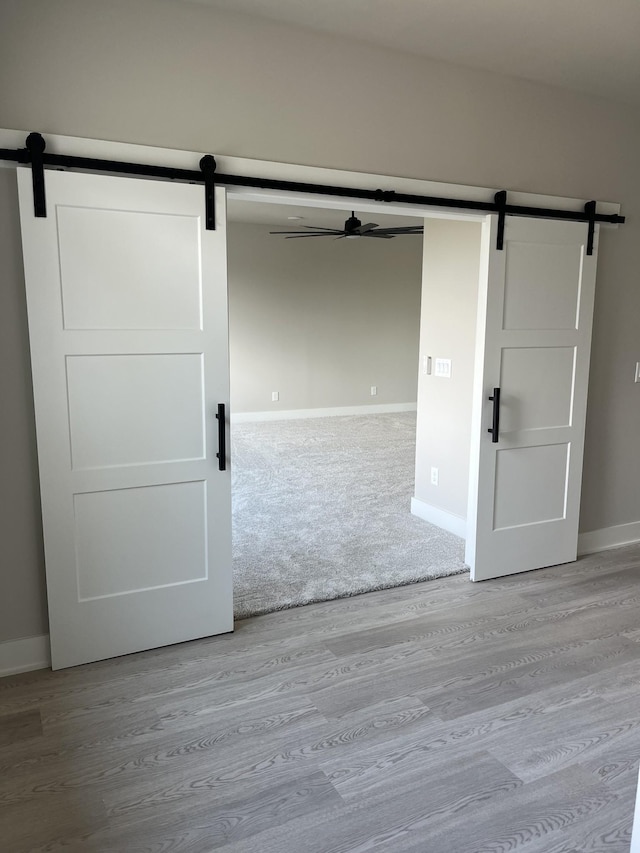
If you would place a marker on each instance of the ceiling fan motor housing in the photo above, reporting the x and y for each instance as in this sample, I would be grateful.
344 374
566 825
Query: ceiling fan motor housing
352 223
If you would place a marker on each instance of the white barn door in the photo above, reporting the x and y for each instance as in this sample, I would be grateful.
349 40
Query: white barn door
127 306
534 341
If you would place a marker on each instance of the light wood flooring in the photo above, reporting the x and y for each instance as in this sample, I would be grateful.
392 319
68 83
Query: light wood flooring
444 716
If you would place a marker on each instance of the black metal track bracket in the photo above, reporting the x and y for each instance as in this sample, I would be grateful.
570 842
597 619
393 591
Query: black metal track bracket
500 201
208 166
35 146
590 210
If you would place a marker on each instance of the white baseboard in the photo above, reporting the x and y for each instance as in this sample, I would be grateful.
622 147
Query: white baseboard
608 537
24 655
447 520
295 414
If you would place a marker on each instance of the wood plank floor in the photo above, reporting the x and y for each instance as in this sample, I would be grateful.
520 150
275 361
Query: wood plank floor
444 716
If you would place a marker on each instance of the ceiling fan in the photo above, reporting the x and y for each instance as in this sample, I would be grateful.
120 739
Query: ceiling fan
353 228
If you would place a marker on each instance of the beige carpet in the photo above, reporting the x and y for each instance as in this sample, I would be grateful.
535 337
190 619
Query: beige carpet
321 510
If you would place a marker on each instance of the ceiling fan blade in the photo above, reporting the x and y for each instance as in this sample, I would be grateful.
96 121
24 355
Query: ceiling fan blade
322 228
379 236
368 227
409 229
301 236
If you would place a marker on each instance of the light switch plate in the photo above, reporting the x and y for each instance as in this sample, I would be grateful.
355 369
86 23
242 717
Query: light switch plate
443 368
637 371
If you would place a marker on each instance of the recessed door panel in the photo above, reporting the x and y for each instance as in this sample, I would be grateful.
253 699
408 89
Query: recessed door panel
530 485
542 289
538 385
136 540
135 409
123 269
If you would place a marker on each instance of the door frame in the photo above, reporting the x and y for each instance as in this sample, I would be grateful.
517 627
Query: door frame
314 201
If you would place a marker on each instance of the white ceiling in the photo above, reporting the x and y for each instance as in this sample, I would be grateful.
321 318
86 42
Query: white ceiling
592 46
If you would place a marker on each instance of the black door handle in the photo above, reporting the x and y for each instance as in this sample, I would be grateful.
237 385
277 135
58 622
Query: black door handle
494 429
222 439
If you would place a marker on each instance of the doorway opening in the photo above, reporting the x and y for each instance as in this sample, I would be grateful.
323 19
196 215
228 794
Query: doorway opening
334 421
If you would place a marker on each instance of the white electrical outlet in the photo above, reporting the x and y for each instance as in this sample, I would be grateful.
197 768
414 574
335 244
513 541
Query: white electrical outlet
374 390
434 476
275 396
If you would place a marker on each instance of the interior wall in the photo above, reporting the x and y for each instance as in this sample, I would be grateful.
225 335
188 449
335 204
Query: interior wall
320 320
450 275
181 75
22 588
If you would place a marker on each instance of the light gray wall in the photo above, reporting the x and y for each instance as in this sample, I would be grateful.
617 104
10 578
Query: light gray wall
321 321
451 268
22 588
185 76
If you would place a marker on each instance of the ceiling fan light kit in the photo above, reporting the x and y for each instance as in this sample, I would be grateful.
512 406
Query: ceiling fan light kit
353 229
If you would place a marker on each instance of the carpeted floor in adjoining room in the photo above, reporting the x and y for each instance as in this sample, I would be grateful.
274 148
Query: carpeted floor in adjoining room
321 510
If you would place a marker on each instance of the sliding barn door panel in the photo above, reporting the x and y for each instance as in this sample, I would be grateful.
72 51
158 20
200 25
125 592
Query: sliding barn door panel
127 304
534 332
